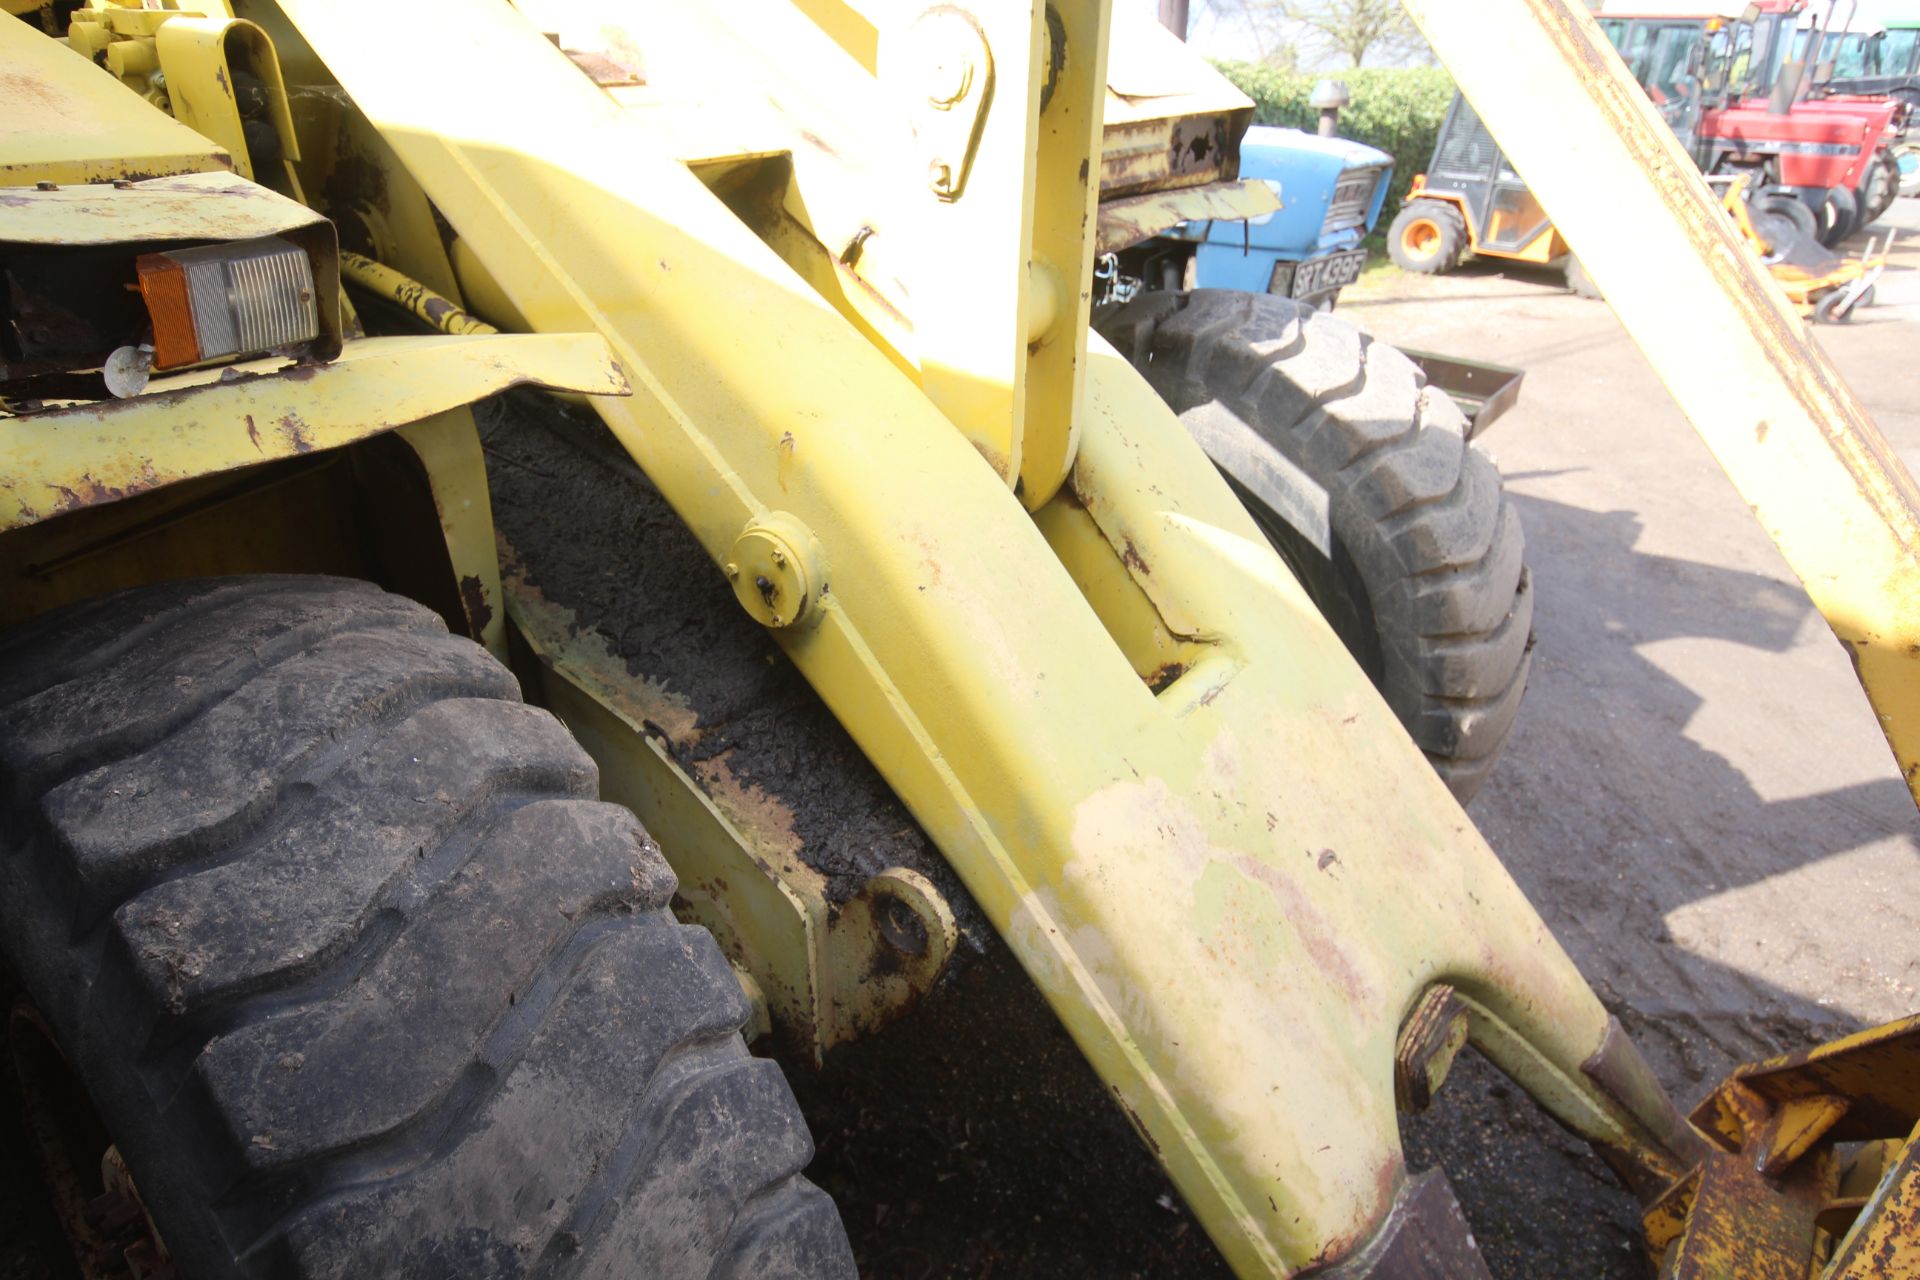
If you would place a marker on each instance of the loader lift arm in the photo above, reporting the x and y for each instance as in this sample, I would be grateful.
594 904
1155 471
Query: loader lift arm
1237 889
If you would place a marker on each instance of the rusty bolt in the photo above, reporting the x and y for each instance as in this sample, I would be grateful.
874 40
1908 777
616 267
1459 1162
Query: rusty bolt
901 926
1430 1038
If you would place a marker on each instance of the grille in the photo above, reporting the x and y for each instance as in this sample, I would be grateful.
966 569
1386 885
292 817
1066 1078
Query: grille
1352 197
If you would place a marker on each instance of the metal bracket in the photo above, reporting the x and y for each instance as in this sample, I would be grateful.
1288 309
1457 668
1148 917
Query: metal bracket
828 975
944 71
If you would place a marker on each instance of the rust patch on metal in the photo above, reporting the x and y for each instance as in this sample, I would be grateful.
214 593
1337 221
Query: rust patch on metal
473 597
298 433
1165 675
1741 1223
1430 1039
253 434
89 492
1134 560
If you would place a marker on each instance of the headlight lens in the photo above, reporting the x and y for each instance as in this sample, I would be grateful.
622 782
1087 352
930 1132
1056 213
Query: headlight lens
228 299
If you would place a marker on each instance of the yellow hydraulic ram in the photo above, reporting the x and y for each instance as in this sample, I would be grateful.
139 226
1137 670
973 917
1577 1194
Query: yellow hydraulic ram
1237 889
1784 425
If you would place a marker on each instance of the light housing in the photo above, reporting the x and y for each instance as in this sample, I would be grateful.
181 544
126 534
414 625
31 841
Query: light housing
242 298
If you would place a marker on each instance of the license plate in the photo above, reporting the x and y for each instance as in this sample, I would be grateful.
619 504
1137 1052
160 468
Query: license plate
1324 275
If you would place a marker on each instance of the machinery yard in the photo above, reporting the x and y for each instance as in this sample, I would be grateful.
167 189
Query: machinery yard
1695 794
796 639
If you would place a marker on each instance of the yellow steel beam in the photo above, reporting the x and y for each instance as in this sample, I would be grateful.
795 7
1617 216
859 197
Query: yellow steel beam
1789 432
1002 278
62 119
1232 891
216 420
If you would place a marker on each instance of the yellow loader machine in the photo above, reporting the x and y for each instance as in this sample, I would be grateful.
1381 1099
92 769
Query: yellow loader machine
538 539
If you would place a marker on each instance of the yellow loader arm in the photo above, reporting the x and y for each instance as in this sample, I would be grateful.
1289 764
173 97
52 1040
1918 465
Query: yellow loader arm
1235 890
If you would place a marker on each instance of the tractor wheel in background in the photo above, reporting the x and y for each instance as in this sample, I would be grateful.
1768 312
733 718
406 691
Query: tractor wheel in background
1578 281
1881 189
1363 479
354 972
1838 218
1785 224
1428 236
1906 156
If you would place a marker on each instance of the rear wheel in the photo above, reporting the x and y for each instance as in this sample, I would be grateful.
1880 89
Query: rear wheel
1578 281
1906 158
358 976
1839 217
1363 479
1428 236
1882 188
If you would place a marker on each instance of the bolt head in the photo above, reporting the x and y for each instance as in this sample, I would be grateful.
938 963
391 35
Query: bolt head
732 571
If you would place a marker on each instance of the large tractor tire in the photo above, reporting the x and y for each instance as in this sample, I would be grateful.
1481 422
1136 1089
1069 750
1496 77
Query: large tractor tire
1579 283
1881 188
1906 158
357 975
1363 479
1427 236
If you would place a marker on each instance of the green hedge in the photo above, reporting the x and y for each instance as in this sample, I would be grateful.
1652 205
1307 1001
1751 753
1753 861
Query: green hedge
1397 109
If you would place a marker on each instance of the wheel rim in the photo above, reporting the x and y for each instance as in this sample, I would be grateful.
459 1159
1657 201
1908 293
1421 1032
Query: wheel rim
99 1209
1421 238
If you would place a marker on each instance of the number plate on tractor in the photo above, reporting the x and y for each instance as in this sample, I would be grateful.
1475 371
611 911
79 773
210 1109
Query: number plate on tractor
1324 275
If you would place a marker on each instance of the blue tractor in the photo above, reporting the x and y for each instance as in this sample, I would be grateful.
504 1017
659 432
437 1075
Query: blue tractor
1331 190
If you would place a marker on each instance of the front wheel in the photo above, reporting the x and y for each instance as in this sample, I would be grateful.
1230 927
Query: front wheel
1363 480
355 974
1786 227
1428 236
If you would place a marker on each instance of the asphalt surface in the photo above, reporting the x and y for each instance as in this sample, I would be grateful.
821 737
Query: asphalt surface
1696 795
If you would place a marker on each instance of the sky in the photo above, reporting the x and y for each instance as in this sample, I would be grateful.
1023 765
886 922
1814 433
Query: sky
1224 34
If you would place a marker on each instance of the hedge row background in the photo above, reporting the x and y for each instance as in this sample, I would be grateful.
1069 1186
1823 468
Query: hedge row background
1397 109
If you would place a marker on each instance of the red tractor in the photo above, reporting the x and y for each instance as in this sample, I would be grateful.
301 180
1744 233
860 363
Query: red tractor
1738 82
